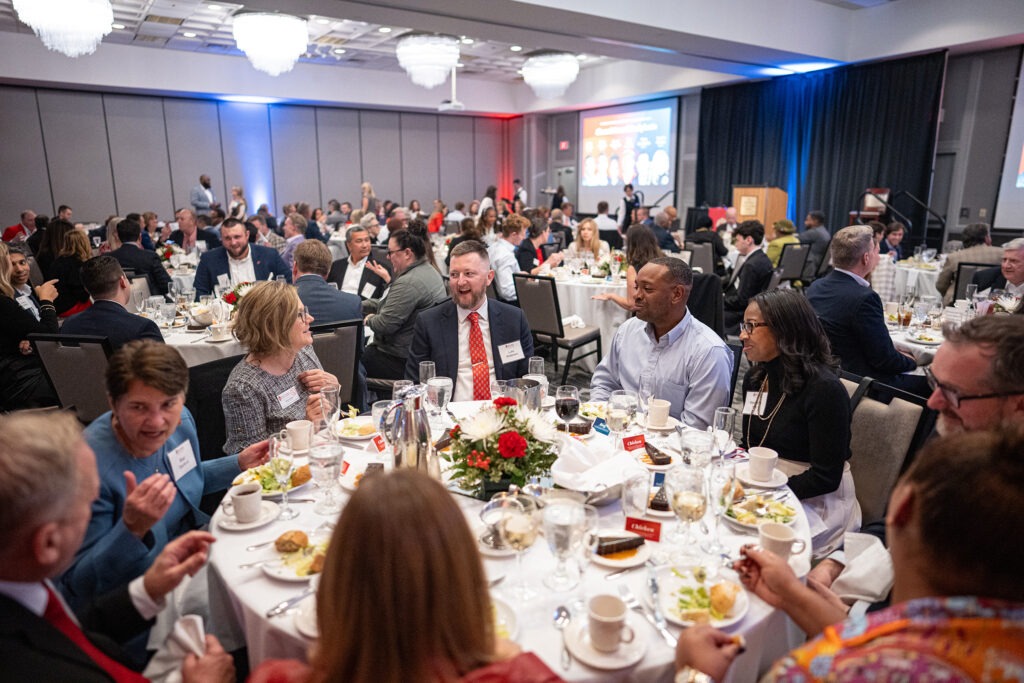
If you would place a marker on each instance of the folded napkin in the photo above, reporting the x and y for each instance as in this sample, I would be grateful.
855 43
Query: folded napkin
868 574
590 466
187 637
463 409
573 321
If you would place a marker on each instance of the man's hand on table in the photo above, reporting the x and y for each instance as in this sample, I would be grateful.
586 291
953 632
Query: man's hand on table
146 503
184 555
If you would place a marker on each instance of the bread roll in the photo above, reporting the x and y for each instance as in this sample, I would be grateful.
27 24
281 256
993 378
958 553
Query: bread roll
723 597
301 475
291 541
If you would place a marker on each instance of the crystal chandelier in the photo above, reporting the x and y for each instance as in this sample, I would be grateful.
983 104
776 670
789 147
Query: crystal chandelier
71 27
272 42
427 58
550 73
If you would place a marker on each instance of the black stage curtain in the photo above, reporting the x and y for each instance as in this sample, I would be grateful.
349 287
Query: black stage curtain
825 137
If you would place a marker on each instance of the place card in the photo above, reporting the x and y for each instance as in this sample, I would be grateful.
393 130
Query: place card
379 443
601 426
651 531
632 443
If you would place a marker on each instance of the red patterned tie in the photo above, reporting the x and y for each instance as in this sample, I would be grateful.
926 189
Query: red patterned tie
478 357
59 619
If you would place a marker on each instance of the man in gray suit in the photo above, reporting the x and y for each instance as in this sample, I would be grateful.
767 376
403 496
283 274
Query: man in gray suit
817 235
202 198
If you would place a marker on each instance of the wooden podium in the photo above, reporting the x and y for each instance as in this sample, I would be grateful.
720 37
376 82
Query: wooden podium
760 203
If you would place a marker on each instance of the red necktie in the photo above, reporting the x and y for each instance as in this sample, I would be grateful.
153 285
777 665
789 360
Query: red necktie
478 357
59 619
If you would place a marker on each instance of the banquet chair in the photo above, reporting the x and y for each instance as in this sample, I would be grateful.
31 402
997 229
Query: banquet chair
612 237
826 262
964 274
793 260
538 297
776 279
492 291
339 346
75 366
338 249
203 399
452 227
707 303
379 252
548 249
35 273
140 292
737 357
702 256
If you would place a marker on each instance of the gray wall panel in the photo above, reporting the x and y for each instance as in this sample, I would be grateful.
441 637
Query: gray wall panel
75 136
245 134
26 183
340 166
293 138
138 153
488 157
382 165
193 141
456 144
419 159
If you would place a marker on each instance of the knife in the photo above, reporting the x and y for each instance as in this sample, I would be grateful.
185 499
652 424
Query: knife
659 618
284 606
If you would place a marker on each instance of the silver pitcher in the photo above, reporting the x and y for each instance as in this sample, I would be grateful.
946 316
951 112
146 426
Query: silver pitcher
407 429
526 392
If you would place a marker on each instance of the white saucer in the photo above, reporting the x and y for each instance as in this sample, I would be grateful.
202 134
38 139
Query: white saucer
283 572
505 619
778 479
669 426
220 341
305 618
268 513
577 639
643 553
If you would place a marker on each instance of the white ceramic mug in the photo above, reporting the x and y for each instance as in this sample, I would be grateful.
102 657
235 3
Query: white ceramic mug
779 539
243 502
300 433
657 412
219 331
892 307
606 622
762 463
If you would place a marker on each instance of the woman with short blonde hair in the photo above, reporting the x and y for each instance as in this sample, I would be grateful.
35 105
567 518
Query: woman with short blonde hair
280 378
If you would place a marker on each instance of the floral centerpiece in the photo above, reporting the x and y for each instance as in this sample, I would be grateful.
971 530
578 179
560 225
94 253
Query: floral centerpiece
234 296
614 262
169 249
502 444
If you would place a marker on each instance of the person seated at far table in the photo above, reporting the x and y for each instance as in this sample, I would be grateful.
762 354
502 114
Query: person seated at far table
587 244
48 480
237 261
423 566
280 379
664 352
641 249
1009 276
796 405
325 303
471 339
892 241
530 256
151 475
108 316
977 248
502 253
703 234
468 230
67 270
132 255
957 595
359 273
784 234
660 227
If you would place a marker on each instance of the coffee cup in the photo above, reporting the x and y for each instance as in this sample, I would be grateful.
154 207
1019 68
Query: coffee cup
299 435
962 304
657 412
201 315
244 502
762 463
219 332
892 308
606 623
779 539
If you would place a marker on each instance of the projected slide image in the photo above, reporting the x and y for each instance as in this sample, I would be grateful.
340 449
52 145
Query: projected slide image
1020 170
632 147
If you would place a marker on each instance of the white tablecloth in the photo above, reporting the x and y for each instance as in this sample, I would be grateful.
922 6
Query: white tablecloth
909 277
250 593
182 280
576 298
196 349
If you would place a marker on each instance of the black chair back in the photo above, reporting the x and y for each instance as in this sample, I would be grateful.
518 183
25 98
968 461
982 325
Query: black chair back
339 346
707 303
793 260
703 256
964 274
737 356
538 298
826 262
205 386
76 367
379 252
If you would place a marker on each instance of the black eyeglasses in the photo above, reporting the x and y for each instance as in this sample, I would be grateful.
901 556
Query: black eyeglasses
954 397
748 327
396 251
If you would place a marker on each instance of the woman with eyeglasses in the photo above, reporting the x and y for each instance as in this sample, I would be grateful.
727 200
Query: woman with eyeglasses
280 379
795 404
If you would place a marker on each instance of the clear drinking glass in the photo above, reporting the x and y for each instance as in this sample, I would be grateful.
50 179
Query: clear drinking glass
686 488
330 409
499 388
619 414
427 370
172 291
324 464
696 447
636 492
439 392
282 462
518 528
586 546
567 404
400 386
722 483
535 366
724 424
563 522
168 313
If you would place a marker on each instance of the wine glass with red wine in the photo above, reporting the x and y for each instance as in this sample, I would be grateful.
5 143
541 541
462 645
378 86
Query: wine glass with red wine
567 404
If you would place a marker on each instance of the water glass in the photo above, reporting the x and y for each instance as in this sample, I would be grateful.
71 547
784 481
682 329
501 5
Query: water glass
377 411
619 415
687 495
563 523
586 546
499 388
535 366
636 492
518 528
168 313
439 392
724 424
324 465
330 408
400 386
722 483
695 447
427 370
172 291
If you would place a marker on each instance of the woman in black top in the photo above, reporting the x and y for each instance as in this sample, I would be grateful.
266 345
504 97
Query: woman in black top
22 381
469 231
704 234
67 269
530 255
796 405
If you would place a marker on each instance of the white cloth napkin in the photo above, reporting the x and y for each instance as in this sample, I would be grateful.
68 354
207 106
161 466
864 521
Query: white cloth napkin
590 466
573 321
187 637
868 574
463 409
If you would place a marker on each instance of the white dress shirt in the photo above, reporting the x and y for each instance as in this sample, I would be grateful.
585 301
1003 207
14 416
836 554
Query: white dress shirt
23 295
503 261
33 597
1015 290
464 377
605 223
241 270
353 275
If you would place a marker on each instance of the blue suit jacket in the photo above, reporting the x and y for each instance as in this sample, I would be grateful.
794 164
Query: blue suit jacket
853 318
112 320
325 303
265 261
436 338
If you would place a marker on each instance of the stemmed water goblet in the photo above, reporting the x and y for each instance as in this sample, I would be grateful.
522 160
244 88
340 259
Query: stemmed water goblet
724 424
619 414
563 523
325 463
585 546
330 409
686 487
721 484
518 528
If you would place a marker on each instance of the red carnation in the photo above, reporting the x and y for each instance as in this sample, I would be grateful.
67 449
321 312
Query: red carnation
511 444
454 431
230 298
504 402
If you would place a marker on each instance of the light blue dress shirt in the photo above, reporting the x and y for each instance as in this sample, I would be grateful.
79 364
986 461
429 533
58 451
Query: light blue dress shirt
690 367
503 261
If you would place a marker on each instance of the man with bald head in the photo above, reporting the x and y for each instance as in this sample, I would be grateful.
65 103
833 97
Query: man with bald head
202 198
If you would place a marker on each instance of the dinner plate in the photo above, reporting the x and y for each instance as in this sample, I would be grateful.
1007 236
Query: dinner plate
577 639
669 583
761 520
778 479
274 495
340 425
506 624
643 553
592 409
934 340
660 513
669 426
220 341
283 572
268 513
305 618
657 468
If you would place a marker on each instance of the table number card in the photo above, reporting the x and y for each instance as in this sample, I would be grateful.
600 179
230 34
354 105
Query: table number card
632 443
379 443
651 531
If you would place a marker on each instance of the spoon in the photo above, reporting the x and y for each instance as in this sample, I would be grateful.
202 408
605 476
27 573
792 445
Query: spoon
562 619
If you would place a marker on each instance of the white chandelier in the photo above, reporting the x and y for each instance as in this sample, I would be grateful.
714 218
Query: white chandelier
550 73
427 58
272 42
71 27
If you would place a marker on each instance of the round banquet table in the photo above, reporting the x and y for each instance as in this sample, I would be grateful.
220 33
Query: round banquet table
247 594
575 297
196 348
916 277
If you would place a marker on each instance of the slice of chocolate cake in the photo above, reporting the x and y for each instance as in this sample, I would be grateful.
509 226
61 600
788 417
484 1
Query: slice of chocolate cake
660 501
657 456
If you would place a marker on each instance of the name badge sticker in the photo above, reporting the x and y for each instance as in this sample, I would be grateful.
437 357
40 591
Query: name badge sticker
287 398
511 352
182 459
367 292
751 405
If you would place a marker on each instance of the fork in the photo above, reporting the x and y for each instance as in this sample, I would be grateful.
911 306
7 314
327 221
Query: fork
634 604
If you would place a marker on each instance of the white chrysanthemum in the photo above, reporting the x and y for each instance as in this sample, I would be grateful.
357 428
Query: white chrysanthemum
538 425
480 426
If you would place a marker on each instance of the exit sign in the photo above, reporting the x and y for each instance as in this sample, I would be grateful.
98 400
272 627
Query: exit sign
563 145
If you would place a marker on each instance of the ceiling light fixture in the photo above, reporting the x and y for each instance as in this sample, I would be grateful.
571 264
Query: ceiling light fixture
384 29
272 42
71 27
189 34
516 48
427 58
550 73
339 50
117 27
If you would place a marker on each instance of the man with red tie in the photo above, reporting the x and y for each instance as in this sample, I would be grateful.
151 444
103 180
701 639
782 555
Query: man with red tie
48 480
471 339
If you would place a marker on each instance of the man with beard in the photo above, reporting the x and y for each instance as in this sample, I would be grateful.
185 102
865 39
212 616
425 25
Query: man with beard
665 352
237 261
202 198
494 339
